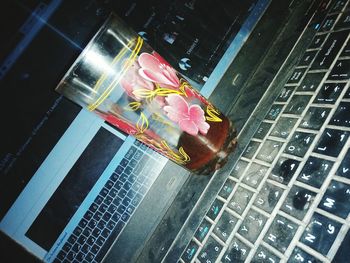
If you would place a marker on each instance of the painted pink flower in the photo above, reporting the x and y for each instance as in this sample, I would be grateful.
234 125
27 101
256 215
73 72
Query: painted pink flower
132 81
190 118
154 68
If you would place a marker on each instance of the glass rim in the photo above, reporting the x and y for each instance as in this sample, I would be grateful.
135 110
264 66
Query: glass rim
63 85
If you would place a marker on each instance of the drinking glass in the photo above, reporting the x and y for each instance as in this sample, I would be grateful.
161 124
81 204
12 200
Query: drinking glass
126 82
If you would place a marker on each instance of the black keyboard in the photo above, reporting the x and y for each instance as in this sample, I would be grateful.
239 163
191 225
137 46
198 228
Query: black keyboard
287 198
112 208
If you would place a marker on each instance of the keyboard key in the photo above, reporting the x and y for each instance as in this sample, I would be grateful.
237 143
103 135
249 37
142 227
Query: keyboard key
269 151
240 200
215 209
255 174
80 256
307 58
236 252
110 225
91 240
297 104
109 184
336 200
98 200
89 257
100 241
202 230
280 233
315 171
227 188
283 127
285 94
252 225
284 170
61 255
96 232
239 168
341 116
344 168
124 162
83 223
76 247
329 51
97 216
81 240
130 153
338 5
263 255
344 20
72 239
66 247
190 252
101 224
328 23
299 143
311 81
94 249
329 93
314 118
87 231
251 149
210 251
137 199
300 256
88 215
138 155
71 255
320 233
274 111
317 41
262 130
104 192
77 231
118 171
225 225
340 71
298 201
268 197
105 233
296 76
331 142
125 217
108 200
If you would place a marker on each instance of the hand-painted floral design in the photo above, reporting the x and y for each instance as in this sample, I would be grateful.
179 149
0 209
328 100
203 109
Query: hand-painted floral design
190 118
132 81
154 68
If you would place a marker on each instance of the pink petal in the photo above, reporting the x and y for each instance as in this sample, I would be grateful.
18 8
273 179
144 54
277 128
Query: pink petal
173 114
147 61
203 127
157 77
171 76
189 127
196 113
178 103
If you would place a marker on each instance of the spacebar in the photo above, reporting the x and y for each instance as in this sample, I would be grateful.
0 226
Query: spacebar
104 249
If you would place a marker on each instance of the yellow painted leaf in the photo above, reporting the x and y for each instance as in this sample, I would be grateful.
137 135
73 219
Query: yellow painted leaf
133 106
142 123
212 114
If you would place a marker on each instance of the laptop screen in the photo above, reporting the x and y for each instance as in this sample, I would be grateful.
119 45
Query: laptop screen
68 178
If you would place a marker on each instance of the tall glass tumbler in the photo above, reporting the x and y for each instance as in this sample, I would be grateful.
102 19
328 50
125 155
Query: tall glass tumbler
127 83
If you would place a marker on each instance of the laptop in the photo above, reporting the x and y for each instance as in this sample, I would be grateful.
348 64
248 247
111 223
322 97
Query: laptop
73 185
283 195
